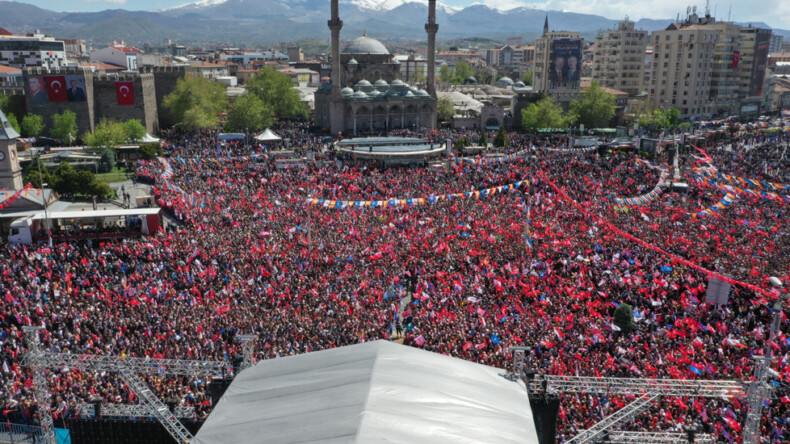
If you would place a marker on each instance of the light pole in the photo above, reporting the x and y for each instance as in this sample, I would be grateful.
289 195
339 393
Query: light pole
759 388
46 203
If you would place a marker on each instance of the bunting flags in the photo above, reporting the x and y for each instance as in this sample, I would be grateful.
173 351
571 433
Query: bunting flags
725 202
645 198
710 170
416 201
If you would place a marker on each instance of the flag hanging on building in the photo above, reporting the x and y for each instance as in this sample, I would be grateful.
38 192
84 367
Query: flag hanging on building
56 88
125 93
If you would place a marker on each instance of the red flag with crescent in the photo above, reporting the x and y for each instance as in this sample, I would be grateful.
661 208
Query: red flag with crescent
125 93
56 88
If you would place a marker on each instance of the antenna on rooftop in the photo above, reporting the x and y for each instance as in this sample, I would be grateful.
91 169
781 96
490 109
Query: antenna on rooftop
729 14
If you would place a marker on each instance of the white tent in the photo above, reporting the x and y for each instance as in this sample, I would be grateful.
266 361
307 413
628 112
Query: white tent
268 136
149 138
371 392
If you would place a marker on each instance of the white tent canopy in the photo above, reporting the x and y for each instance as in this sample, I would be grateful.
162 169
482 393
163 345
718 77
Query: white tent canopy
149 138
371 392
268 136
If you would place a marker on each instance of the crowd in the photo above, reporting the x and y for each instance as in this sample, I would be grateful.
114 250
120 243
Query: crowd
254 257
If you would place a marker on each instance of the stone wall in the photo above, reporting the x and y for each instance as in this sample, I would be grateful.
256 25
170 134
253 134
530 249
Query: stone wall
144 109
83 110
165 78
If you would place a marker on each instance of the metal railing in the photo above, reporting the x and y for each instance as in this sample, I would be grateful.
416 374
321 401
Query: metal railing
20 433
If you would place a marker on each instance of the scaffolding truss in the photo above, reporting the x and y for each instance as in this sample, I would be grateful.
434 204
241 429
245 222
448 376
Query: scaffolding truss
247 343
621 437
627 413
132 411
40 388
636 386
157 408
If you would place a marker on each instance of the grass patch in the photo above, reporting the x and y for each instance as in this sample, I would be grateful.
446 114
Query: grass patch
116 175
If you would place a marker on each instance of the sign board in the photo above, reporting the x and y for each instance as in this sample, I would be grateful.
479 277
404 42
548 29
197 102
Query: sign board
718 291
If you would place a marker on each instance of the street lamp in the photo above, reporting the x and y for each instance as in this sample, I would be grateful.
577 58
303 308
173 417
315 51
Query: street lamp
46 203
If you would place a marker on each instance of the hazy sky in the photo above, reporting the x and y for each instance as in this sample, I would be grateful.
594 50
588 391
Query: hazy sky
775 13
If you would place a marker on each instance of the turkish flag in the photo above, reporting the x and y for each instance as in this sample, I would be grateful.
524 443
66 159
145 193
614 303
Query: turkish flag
125 93
56 88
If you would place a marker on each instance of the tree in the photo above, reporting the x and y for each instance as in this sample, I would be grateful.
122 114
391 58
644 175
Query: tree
461 143
108 135
419 74
276 90
546 113
14 123
445 109
135 131
32 125
196 102
462 70
31 175
64 126
445 73
483 140
501 140
527 77
249 112
149 151
624 318
595 109
67 180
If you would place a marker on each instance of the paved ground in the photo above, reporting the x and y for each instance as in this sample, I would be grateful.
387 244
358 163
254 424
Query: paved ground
134 190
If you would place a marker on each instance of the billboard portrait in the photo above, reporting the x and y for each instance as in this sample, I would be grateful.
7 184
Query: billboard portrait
38 95
76 88
566 61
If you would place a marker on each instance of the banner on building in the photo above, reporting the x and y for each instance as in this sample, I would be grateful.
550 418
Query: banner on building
736 58
125 93
75 88
56 88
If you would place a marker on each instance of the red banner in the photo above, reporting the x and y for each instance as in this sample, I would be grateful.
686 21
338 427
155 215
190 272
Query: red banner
125 93
736 58
56 88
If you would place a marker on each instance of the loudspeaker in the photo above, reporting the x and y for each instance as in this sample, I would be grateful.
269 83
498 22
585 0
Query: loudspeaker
544 412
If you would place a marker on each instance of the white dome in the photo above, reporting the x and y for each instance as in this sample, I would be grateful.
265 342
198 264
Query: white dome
346 91
365 45
353 61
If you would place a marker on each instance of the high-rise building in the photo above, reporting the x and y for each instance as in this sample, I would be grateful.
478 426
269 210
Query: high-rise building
755 43
619 60
682 66
724 91
558 64
776 43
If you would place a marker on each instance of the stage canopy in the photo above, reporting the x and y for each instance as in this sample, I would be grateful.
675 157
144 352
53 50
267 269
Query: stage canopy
268 136
371 392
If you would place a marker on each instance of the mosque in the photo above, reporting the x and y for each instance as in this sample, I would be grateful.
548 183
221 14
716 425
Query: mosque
366 93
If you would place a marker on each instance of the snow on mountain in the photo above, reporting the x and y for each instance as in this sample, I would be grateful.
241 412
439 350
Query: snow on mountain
197 4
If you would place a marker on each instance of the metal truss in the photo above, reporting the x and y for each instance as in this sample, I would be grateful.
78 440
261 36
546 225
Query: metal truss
40 388
247 343
620 437
133 410
636 386
156 407
145 366
626 413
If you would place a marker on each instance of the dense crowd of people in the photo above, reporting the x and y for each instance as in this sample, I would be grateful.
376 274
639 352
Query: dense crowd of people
255 256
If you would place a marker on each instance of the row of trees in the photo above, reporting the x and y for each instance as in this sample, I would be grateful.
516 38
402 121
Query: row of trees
108 134
64 125
66 180
594 110
199 103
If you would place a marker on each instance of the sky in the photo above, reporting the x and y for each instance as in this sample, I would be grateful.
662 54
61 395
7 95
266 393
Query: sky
775 13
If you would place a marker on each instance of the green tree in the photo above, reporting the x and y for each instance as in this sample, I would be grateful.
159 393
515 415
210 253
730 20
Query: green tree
461 143
32 125
445 73
14 123
107 135
135 131
527 77
276 90
462 70
196 102
64 126
596 107
419 74
624 318
546 113
31 175
483 140
501 139
149 151
445 109
249 112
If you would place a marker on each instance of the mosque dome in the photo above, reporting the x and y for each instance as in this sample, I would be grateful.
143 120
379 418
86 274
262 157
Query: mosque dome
365 45
346 91
505 81
353 61
470 81
359 95
421 93
381 83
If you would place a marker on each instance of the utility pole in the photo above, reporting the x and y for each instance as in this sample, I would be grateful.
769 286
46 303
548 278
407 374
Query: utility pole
46 201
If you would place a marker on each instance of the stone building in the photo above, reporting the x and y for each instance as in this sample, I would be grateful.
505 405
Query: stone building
620 58
91 96
366 92
558 64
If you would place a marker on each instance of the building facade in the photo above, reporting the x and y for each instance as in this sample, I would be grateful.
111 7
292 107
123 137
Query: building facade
32 50
619 58
682 67
558 64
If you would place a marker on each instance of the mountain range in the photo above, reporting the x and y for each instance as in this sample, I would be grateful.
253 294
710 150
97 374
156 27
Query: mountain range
260 22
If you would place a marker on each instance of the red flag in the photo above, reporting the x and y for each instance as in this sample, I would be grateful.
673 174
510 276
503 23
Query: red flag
56 88
125 93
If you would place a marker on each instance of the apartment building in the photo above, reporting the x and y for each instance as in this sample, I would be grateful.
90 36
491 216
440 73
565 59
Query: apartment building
619 58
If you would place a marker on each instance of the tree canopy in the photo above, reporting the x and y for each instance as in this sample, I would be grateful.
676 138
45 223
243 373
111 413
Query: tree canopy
445 109
595 109
501 139
276 90
196 102
32 125
64 126
546 113
249 112
135 131
14 123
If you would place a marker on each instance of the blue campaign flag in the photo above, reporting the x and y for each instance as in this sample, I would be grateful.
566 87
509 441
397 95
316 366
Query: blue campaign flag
695 369
494 339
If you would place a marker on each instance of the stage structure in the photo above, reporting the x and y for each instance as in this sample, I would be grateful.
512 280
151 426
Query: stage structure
646 390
